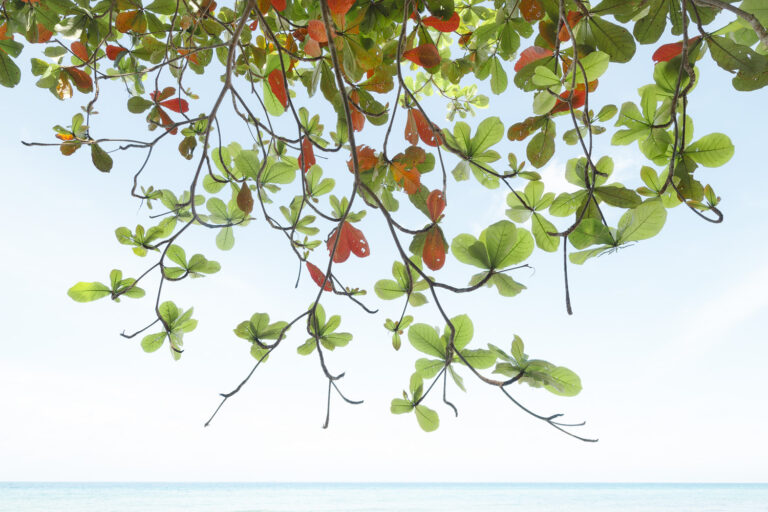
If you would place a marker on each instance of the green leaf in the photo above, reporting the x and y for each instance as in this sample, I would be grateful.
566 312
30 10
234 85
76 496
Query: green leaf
499 240
400 406
563 382
427 418
712 150
505 285
489 132
649 28
225 239
137 104
425 339
10 74
618 196
464 330
643 222
467 249
387 289
177 255
595 64
87 292
152 342
541 228
498 77
540 149
101 158
612 39
428 368
480 358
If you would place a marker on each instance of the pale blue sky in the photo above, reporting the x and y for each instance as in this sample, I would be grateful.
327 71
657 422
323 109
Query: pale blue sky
668 336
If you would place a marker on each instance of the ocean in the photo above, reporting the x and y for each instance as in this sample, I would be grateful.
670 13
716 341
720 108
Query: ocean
382 497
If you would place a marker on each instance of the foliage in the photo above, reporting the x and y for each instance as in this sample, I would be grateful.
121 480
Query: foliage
333 70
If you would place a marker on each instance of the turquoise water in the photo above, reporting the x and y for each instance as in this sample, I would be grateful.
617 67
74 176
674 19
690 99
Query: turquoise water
283 497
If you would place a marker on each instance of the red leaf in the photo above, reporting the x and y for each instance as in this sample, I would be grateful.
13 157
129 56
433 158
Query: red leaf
573 18
176 104
531 54
366 159
81 79
577 100
669 51
442 25
318 277
532 10
433 253
277 84
279 5
351 240
158 96
425 55
429 134
340 6
113 52
80 51
316 30
435 204
307 158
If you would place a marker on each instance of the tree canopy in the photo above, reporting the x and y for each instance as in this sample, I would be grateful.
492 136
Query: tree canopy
339 97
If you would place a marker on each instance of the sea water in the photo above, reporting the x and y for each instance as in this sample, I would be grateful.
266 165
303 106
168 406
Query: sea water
384 497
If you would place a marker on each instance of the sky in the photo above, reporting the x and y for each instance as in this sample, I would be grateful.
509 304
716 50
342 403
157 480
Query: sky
668 336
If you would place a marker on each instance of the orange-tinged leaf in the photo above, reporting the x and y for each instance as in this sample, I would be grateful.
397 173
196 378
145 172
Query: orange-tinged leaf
318 277
166 121
124 20
531 10
176 104
113 51
547 31
67 148
573 18
307 156
316 30
63 87
192 57
340 6
411 132
312 48
449 25
366 159
279 5
80 51
410 179
425 55
435 204
531 54
429 134
65 136
277 84
413 156
43 34
357 117
80 78
245 199
464 39
433 253
3 30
